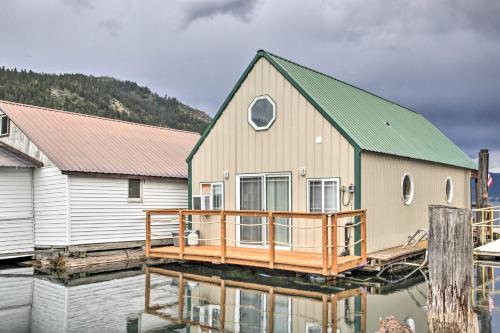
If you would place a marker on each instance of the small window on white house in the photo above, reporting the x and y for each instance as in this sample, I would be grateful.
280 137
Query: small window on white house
4 125
135 189
449 190
212 196
323 195
262 113
407 189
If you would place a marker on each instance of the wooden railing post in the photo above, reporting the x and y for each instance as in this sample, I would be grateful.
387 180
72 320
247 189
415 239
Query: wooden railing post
147 295
222 305
181 296
222 237
324 315
334 313
271 240
333 232
363 237
181 234
148 233
324 242
270 311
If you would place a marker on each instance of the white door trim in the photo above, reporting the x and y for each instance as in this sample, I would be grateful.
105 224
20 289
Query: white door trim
263 204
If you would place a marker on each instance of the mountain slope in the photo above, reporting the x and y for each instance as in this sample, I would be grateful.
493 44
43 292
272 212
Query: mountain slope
102 96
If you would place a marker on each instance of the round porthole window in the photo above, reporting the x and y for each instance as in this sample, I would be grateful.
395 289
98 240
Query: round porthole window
449 190
407 189
261 113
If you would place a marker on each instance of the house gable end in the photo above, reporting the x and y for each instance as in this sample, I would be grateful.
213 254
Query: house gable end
262 54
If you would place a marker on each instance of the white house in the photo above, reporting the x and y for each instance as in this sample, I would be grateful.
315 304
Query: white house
16 202
79 180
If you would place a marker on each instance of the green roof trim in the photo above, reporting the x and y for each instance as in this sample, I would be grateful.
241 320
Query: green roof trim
367 121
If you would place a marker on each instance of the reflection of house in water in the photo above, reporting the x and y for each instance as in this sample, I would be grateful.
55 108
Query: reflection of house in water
15 299
129 301
96 304
227 305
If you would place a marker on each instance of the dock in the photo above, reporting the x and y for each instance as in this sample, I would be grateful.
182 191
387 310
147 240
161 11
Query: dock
218 243
485 231
379 259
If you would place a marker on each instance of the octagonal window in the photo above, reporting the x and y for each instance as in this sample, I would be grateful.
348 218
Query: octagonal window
262 112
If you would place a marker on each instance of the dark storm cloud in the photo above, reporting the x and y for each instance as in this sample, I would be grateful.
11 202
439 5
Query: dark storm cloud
440 58
112 25
197 10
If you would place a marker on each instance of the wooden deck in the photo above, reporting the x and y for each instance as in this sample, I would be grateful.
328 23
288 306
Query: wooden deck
308 262
378 259
325 260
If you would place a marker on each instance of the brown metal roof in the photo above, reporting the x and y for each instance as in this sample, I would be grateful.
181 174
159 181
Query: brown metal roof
13 158
82 143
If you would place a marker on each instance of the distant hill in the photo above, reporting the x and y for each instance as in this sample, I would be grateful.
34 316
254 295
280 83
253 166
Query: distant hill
101 96
494 191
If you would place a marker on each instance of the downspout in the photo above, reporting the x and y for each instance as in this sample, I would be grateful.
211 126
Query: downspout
357 197
190 192
33 205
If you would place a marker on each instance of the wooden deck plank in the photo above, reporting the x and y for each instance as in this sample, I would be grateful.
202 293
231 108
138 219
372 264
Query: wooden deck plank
397 252
258 257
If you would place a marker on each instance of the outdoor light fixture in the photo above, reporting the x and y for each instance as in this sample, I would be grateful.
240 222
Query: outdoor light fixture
226 174
302 171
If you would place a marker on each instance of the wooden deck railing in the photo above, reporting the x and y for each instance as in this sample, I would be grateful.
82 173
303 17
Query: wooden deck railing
326 261
486 220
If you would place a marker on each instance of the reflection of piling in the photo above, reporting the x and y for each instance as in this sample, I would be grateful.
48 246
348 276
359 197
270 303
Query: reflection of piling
450 271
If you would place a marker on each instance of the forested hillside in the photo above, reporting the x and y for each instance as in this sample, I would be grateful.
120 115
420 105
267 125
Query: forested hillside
101 96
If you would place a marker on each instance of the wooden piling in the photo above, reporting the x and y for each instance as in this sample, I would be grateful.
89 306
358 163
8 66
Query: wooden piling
482 179
450 271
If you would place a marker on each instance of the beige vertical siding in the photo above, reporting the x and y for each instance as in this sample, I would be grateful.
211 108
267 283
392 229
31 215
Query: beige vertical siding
288 145
390 221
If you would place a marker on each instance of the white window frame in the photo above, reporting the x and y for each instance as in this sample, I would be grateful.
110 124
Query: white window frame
2 117
211 195
264 201
250 121
408 201
141 181
310 326
323 180
449 198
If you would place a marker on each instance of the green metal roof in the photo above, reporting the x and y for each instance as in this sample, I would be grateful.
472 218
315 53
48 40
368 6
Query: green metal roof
368 122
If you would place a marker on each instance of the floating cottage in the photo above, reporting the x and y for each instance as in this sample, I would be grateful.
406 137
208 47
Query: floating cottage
78 182
291 139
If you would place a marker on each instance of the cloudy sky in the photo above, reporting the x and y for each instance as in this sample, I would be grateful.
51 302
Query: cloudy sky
440 58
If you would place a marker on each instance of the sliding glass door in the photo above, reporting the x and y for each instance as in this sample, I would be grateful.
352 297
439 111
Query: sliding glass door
251 199
278 199
263 192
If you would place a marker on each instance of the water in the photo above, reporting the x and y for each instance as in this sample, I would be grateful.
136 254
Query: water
240 300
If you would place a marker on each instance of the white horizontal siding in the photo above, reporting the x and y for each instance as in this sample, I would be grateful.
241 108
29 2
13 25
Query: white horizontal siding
15 291
51 207
96 307
49 307
15 300
16 211
101 212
